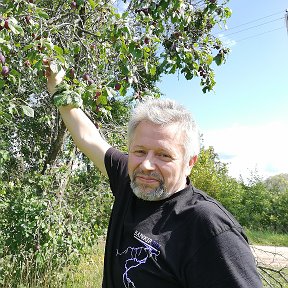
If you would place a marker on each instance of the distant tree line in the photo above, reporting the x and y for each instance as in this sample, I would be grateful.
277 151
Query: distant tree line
259 204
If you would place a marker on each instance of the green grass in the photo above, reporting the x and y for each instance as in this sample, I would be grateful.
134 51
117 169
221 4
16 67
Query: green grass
88 273
266 238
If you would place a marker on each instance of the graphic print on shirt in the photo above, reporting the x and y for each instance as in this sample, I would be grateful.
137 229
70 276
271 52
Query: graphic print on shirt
136 256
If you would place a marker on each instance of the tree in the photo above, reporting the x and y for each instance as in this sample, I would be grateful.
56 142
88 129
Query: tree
106 52
211 175
277 184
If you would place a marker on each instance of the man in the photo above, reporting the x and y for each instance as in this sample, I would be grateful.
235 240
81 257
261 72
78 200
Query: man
163 232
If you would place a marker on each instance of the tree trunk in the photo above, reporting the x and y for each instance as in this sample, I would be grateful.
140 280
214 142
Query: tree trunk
55 147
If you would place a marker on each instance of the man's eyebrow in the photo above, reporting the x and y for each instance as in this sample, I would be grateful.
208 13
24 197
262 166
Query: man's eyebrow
138 146
159 149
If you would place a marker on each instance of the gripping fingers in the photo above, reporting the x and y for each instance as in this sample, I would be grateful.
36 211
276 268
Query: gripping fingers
54 74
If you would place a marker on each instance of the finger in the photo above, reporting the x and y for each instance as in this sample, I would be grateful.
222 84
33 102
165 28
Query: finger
47 72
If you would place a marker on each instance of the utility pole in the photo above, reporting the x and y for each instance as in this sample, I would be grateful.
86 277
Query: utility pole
286 19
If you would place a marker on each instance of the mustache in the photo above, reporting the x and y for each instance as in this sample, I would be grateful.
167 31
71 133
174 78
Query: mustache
152 174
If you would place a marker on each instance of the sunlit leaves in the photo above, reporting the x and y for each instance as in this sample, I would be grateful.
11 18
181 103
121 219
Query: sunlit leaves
41 13
133 48
28 111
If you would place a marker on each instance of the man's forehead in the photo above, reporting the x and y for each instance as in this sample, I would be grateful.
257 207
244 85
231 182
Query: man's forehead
159 141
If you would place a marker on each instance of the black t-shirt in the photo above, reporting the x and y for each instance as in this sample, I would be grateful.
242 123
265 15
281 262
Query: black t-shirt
188 240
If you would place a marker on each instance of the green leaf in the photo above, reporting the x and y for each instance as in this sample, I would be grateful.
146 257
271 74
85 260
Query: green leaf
79 2
13 28
209 59
61 59
76 48
228 12
28 111
102 100
131 47
19 30
188 75
27 47
125 69
38 65
2 83
41 13
92 4
164 4
58 49
137 53
218 59
205 89
153 70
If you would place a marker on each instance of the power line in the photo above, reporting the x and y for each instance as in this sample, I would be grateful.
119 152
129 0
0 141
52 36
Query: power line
255 26
253 21
256 35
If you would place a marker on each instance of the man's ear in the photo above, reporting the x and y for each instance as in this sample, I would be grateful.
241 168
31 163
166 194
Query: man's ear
191 163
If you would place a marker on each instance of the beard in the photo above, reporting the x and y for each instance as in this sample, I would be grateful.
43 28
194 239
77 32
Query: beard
142 191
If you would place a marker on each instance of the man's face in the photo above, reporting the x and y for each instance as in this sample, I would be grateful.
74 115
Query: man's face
155 164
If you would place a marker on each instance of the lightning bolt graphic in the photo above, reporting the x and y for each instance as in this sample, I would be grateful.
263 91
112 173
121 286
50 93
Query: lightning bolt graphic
137 256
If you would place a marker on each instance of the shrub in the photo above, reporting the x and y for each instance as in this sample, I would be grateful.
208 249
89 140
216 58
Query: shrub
43 230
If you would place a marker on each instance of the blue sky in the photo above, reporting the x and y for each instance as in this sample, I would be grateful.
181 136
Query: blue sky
246 118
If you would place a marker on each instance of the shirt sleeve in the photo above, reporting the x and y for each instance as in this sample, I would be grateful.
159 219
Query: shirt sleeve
223 262
116 166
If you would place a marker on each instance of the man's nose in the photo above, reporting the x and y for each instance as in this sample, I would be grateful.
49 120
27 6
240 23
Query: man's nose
148 162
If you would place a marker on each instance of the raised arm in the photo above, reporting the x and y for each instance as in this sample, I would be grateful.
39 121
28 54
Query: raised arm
84 133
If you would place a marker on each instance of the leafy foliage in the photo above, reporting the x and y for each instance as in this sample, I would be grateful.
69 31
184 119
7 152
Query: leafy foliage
104 50
277 184
211 175
43 229
256 204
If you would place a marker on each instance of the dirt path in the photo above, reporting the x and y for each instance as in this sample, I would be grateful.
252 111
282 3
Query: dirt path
271 256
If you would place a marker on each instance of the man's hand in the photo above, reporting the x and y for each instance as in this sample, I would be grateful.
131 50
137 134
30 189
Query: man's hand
54 75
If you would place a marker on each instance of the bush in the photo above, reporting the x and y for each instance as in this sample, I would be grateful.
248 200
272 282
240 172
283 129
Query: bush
211 175
43 230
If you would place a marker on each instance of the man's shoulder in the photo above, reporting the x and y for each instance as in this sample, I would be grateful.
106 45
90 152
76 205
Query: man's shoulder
207 212
115 153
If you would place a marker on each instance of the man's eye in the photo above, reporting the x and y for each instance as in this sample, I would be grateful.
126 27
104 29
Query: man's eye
164 156
139 152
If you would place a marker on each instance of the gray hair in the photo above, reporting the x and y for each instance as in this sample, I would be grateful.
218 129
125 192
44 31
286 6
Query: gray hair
165 112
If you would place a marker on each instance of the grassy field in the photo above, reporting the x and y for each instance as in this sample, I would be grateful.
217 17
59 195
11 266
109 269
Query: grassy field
267 238
88 273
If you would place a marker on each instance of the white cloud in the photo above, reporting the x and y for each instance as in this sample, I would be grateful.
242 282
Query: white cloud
262 148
